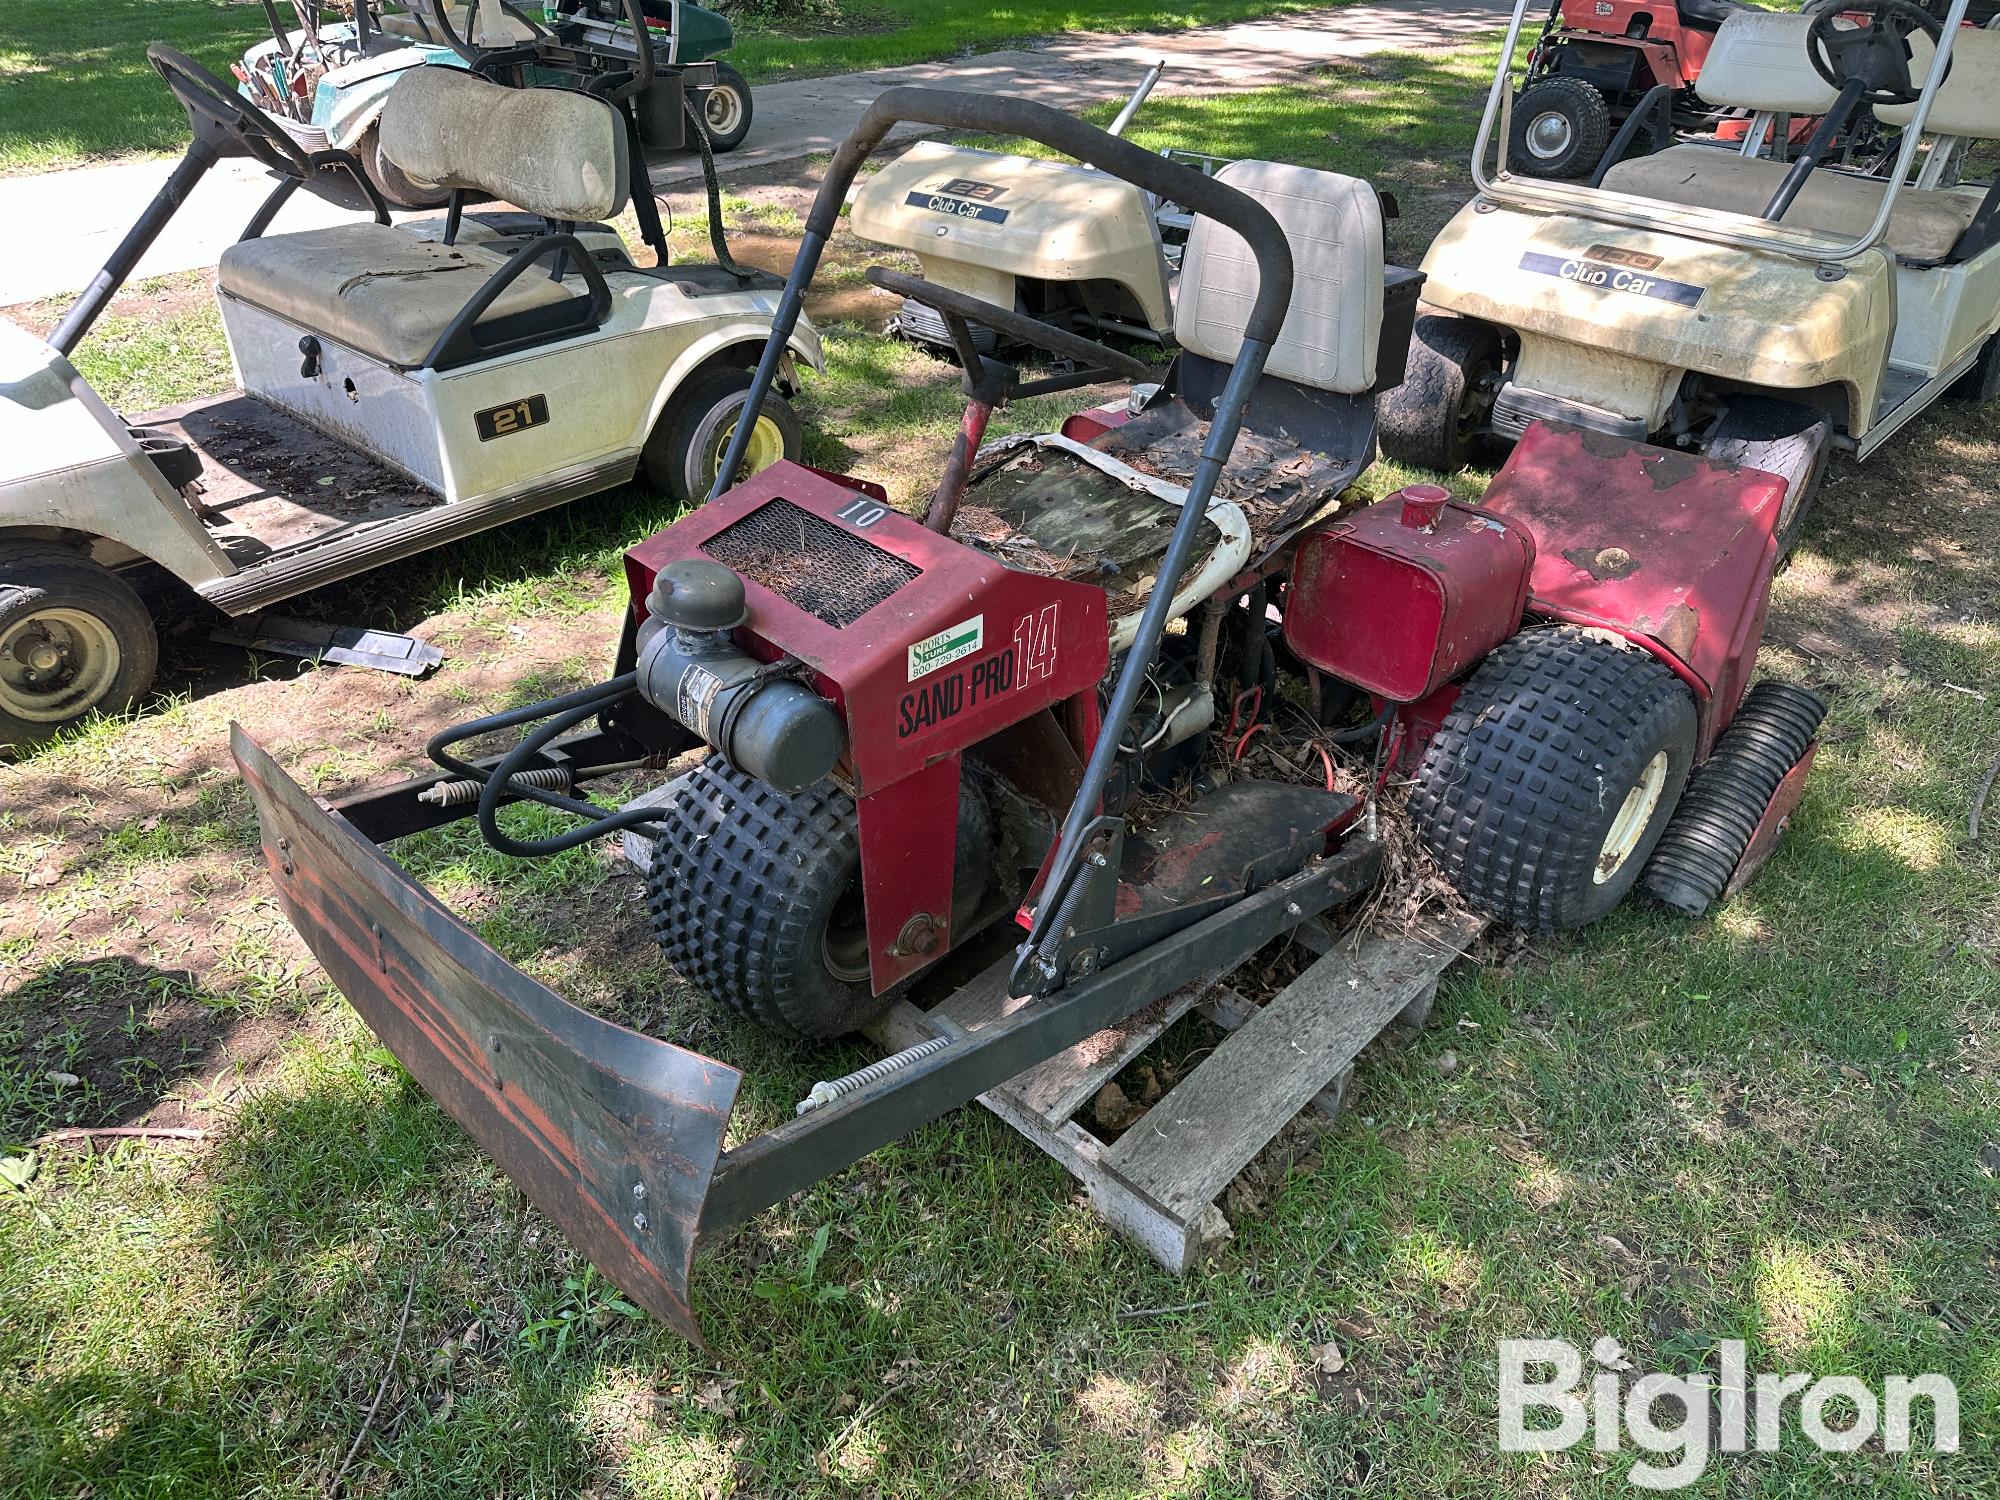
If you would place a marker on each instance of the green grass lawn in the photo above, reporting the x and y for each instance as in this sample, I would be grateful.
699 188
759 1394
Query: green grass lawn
75 85
1781 1124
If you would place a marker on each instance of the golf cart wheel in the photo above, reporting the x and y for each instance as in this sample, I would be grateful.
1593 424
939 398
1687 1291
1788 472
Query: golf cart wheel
1434 420
1710 832
74 639
1561 127
1982 381
693 433
725 109
755 896
390 180
1554 775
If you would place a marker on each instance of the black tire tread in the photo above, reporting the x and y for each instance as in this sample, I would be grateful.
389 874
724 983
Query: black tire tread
1727 797
665 456
1417 421
1589 114
728 886
140 640
1508 796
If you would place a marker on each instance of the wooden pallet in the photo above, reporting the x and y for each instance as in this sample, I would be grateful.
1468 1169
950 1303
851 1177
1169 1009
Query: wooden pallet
1159 1182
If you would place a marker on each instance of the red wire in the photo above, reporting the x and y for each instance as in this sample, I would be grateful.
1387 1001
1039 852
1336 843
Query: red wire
1327 761
1245 740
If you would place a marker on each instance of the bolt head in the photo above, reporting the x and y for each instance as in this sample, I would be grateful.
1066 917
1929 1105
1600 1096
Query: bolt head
639 1222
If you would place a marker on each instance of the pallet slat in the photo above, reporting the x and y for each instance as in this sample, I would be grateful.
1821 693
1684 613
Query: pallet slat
1191 1145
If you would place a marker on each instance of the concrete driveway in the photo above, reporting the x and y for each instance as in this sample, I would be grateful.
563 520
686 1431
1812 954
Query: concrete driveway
78 216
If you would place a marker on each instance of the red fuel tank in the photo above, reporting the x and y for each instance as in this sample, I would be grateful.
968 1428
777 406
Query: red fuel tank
1400 598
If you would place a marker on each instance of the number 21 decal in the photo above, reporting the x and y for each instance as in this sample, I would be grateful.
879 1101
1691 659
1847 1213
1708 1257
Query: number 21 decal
515 416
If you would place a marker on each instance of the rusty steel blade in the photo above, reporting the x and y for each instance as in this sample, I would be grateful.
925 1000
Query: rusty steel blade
612 1134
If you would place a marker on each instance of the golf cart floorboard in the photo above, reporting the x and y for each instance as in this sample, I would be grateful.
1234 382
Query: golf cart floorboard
1160 1183
270 482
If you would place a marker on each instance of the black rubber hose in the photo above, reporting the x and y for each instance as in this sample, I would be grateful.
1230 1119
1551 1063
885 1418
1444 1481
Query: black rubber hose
1362 732
502 780
716 239
437 745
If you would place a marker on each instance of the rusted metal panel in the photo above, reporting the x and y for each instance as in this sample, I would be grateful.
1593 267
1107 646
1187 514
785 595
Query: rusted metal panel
613 1135
1667 548
1770 829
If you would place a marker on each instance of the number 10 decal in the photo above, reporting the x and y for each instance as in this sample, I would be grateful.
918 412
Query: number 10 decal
1035 644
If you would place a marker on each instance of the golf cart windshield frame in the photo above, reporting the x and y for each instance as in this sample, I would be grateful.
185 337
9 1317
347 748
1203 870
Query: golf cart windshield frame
1737 230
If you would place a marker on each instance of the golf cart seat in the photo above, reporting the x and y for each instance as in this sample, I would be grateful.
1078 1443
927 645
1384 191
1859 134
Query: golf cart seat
1759 62
393 294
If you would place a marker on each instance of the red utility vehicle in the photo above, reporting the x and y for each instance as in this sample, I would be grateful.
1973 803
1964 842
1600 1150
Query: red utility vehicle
920 729
1596 60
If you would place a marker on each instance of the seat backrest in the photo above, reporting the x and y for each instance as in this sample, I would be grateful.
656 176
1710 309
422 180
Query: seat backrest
1968 103
1758 62
553 152
1334 226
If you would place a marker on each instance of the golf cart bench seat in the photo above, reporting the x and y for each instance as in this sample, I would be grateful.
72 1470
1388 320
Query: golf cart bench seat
373 287
392 294
1923 226
1759 62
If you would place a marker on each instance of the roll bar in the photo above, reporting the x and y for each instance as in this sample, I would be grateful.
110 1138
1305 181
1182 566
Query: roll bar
1165 179
1713 225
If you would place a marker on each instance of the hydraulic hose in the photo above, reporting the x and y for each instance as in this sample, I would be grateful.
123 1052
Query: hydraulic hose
563 714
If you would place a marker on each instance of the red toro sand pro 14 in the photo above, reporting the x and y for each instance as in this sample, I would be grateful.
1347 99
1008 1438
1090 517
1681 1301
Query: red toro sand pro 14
920 729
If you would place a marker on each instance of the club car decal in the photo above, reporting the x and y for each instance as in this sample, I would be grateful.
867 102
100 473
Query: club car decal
1608 278
962 198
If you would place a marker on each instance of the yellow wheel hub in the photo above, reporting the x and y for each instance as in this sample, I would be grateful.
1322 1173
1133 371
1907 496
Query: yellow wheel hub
767 446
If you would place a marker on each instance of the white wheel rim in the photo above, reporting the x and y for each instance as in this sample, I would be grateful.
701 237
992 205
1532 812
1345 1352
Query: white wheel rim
1548 136
55 664
1635 815
723 110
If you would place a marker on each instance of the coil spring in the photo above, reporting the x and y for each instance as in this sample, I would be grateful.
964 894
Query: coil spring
826 1092
459 793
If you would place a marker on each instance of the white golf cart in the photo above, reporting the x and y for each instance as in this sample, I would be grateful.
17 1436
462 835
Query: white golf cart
402 385
1722 300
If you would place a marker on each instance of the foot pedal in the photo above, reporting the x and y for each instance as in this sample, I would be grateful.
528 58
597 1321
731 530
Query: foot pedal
1735 809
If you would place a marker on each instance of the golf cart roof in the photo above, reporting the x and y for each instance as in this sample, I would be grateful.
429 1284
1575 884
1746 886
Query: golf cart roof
1739 230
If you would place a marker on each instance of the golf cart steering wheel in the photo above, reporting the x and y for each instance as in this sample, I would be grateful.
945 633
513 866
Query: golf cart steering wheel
621 80
480 59
1876 55
956 305
223 120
